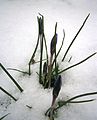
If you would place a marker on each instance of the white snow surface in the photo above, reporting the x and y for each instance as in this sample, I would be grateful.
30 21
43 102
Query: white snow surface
18 37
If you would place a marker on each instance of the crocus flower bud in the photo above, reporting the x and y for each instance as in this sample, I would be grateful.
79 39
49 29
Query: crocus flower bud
53 44
57 86
56 90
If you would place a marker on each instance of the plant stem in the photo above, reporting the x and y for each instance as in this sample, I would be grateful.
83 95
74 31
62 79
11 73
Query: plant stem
75 37
8 93
18 86
77 63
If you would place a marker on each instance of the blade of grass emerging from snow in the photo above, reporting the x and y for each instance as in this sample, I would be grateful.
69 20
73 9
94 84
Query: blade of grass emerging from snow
4 116
61 103
52 52
34 51
75 37
41 53
7 93
18 70
18 86
33 56
77 63
41 27
83 101
55 52
46 48
60 47
73 98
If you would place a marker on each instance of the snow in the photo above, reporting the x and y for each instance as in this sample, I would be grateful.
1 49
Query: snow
18 35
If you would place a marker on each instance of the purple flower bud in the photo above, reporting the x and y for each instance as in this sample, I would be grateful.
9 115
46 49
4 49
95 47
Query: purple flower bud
57 86
53 44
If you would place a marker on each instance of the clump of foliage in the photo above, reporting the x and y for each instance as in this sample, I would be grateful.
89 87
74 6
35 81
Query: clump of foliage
49 72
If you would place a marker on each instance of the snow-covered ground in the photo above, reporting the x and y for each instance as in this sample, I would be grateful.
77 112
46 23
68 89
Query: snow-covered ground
18 36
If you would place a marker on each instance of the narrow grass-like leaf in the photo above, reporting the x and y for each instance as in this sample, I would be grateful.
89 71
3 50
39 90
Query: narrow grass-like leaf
75 37
45 68
33 56
34 51
29 69
18 86
41 33
46 48
73 98
18 70
55 63
61 103
82 95
7 93
77 63
4 116
41 55
44 73
84 101
60 47
41 24
39 61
